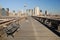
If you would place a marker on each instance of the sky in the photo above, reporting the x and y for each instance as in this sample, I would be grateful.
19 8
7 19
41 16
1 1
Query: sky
52 6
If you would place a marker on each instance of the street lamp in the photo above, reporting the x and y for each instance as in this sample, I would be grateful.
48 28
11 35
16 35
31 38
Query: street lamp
25 5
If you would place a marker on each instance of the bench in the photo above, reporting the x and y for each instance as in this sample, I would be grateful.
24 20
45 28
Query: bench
11 29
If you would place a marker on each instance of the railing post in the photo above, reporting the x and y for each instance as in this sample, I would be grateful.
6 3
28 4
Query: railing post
54 25
59 28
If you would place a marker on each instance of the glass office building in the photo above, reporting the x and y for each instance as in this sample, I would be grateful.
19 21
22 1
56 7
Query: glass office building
3 12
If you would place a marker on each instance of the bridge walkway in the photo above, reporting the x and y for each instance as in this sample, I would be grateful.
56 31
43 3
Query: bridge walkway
31 29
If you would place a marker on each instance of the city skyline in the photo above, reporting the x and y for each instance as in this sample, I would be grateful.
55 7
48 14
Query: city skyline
52 6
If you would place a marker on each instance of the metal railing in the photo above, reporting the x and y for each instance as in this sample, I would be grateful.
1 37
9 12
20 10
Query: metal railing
52 24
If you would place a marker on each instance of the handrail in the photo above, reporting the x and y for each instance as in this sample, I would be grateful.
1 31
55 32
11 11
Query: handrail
52 24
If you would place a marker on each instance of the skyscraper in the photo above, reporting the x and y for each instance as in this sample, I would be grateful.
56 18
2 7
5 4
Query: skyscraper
19 13
29 12
3 12
14 13
7 11
40 12
0 10
36 11
46 13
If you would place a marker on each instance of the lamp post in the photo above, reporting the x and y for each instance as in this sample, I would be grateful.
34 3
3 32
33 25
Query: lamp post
25 5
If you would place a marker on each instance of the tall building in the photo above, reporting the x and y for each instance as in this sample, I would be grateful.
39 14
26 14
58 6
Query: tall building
14 14
29 12
46 13
10 13
36 11
40 13
7 11
19 13
0 11
3 12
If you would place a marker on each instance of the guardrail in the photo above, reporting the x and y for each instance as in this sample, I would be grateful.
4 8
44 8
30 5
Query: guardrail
52 24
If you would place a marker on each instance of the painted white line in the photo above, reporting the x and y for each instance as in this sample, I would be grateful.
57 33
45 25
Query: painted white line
35 32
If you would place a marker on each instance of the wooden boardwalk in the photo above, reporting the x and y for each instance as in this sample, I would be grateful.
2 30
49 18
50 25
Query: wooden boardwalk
31 29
